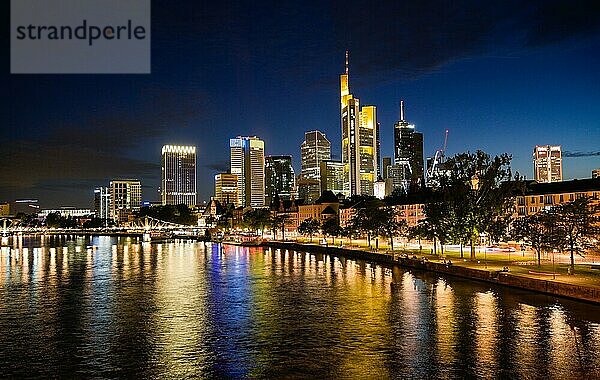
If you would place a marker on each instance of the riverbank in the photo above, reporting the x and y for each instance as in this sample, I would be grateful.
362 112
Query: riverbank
554 287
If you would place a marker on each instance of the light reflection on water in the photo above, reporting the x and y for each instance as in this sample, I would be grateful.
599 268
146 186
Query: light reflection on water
113 307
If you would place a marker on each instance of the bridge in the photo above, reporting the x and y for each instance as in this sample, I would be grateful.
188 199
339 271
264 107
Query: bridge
146 227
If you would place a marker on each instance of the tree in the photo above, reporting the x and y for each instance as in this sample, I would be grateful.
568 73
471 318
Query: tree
539 231
53 220
257 219
179 214
390 225
478 193
363 221
277 222
331 227
309 227
577 223
438 221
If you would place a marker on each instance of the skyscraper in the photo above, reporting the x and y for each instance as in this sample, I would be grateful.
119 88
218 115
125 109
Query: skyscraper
126 198
226 189
359 141
332 176
547 163
279 178
408 154
178 175
385 163
248 163
102 204
314 149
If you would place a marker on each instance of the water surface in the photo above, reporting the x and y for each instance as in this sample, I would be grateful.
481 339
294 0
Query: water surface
108 307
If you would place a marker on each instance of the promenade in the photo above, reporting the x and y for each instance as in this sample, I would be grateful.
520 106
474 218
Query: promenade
516 269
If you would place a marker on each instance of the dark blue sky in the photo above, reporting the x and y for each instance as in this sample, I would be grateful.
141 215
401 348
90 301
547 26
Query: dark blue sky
500 77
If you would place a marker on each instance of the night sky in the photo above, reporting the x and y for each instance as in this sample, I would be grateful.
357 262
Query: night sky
501 77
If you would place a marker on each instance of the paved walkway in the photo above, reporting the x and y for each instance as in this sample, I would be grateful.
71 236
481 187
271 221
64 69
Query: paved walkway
519 263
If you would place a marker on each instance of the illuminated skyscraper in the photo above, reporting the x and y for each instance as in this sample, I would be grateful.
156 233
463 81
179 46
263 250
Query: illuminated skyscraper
178 184
332 176
547 163
102 203
226 189
408 154
126 198
314 149
359 141
248 163
279 178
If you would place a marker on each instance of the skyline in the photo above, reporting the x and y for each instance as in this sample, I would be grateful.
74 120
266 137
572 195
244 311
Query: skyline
281 80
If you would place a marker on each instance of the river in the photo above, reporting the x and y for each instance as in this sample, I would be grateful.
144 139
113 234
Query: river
116 307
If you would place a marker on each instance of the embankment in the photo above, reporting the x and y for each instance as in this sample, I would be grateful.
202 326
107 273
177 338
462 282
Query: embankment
550 287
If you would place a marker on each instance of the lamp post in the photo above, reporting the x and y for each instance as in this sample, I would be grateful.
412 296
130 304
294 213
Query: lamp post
553 270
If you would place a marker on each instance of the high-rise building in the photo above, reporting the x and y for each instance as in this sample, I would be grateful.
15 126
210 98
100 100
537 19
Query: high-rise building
279 178
385 163
126 198
4 209
359 141
408 154
314 149
102 204
226 189
309 190
178 184
547 163
248 163
596 173
332 177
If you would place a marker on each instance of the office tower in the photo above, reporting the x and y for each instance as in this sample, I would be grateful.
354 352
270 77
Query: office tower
126 198
102 203
4 209
382 188
396 176
379 172
178 184
332 177
547 163
359 141
385 163
596 173
279 178
408 154
314 149
248 163
226 189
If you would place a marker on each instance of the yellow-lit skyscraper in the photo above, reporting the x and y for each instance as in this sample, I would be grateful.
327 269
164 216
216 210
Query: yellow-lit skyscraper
547 163
178 184
359 141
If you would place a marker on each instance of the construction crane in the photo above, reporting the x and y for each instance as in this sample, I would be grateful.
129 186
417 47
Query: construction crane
439 157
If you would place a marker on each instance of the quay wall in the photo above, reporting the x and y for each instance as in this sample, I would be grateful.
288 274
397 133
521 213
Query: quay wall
554 288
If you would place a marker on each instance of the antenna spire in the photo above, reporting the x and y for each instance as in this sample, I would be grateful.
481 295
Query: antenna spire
401 110
346 62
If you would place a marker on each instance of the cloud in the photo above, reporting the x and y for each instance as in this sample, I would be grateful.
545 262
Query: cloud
89 150
581 154
35 165
221 166
417 37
